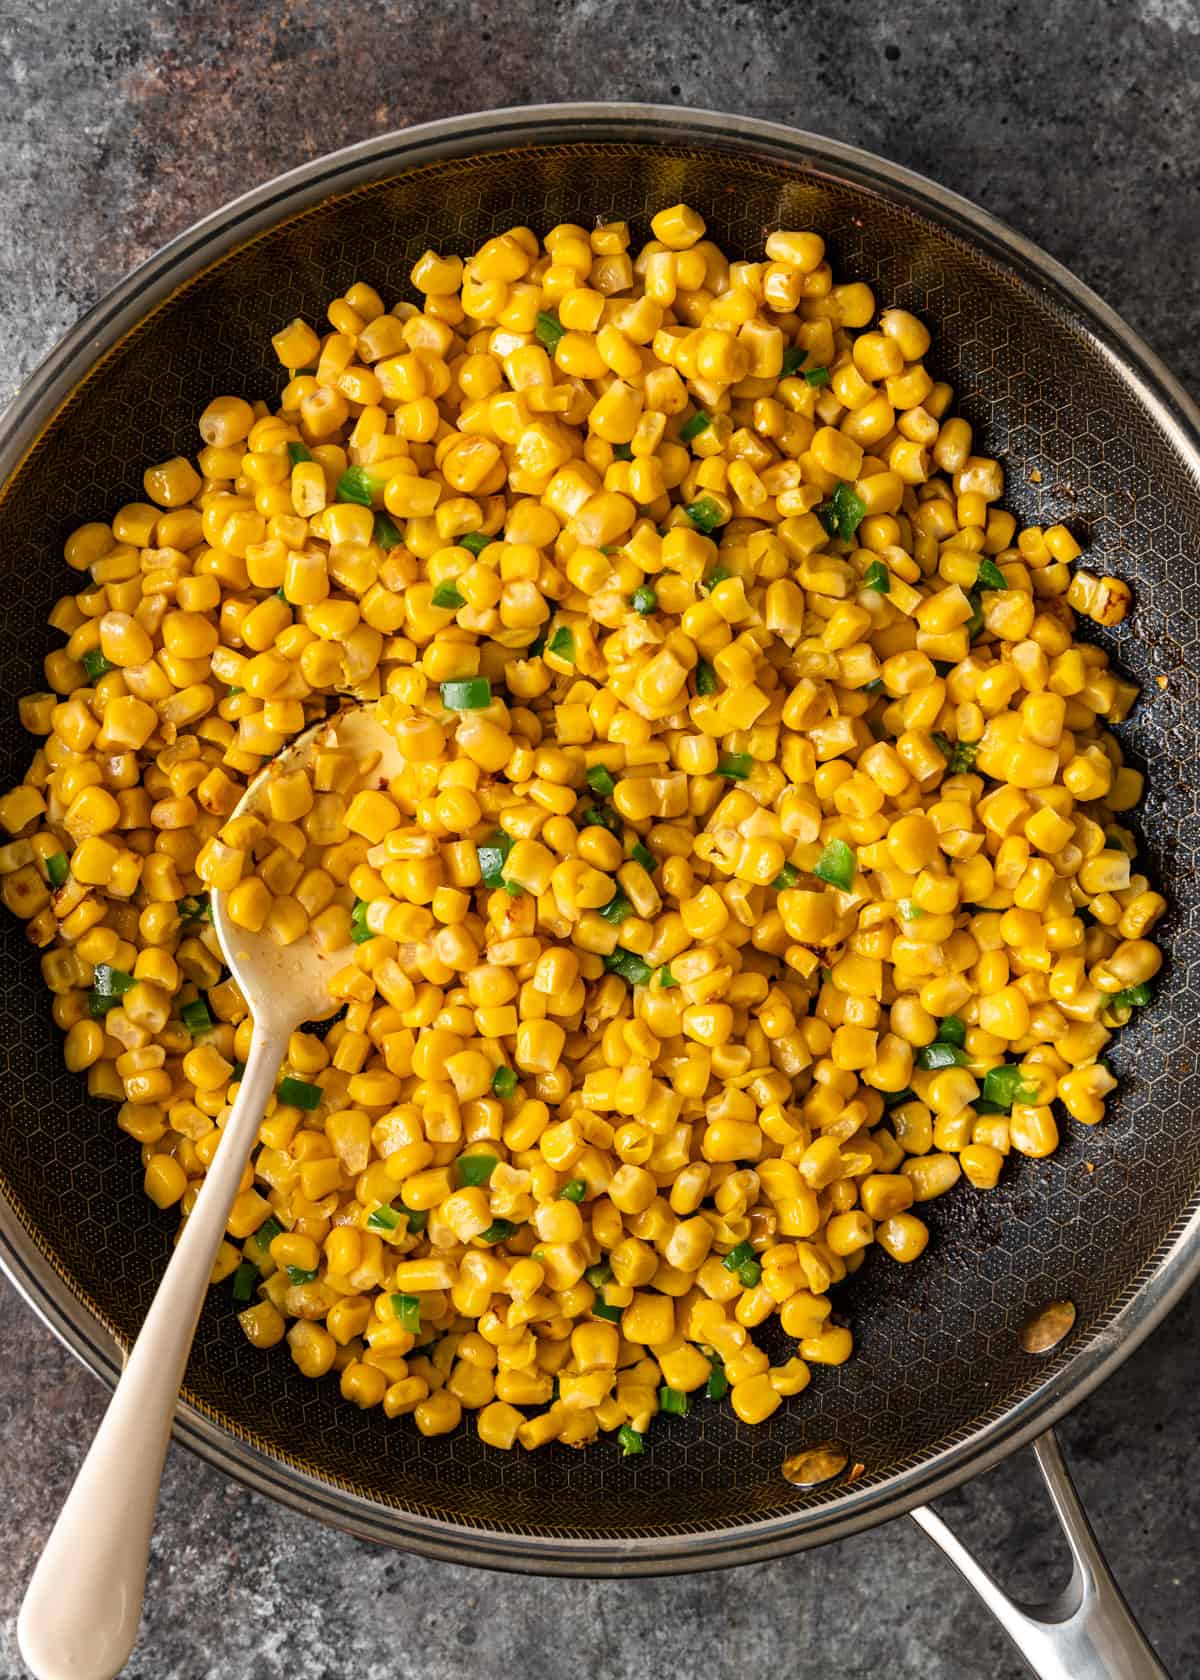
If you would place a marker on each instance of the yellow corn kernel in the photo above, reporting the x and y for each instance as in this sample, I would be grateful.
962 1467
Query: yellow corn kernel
903 1236
931 1175
755 1397
678 228
649 1319
262 1325
165 1180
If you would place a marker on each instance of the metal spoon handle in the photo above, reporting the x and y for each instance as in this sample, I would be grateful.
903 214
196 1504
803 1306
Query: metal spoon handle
80 1617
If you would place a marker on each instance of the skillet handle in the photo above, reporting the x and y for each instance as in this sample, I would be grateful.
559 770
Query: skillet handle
1087 1632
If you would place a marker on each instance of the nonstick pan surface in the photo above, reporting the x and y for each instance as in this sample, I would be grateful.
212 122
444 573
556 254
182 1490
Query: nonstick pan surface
1093 432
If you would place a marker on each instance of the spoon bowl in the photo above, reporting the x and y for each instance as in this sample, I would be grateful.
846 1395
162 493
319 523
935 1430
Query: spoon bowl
79 1619
287 984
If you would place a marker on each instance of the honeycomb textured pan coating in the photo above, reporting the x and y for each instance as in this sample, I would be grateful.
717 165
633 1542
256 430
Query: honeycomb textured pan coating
937 1353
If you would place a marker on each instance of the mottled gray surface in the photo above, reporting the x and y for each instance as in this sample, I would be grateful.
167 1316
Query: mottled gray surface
119 125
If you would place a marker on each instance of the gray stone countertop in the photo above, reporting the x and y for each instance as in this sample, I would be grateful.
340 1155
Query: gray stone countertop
1079 123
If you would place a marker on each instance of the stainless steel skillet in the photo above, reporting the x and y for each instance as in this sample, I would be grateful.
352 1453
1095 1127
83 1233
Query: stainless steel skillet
1093 430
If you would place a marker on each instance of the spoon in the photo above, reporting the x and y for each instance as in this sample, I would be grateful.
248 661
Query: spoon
79 1620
